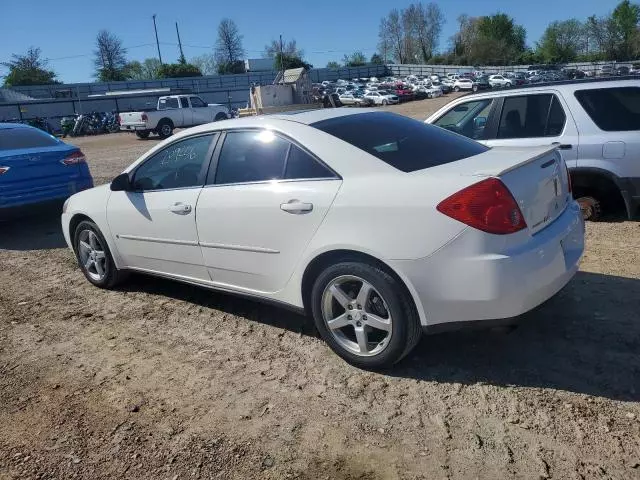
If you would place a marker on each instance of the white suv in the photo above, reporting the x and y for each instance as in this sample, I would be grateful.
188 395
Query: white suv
499 81
595 123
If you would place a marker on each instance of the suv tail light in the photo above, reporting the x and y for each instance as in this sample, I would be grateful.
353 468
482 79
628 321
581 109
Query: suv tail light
487 205
74 158
144 117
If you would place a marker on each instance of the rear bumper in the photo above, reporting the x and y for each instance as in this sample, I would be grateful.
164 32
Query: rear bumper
454 285
133 127
32 195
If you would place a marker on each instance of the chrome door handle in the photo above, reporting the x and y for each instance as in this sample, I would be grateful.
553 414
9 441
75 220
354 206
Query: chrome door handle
296 206
180 208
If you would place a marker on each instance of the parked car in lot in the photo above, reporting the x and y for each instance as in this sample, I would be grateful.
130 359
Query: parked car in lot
464 84
375 224
594 123
355 98
36 167
499 81
173 111
382 98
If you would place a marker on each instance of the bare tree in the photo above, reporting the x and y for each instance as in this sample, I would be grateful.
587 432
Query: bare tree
384 41
110 57
228 52
289 49
206 63
392 29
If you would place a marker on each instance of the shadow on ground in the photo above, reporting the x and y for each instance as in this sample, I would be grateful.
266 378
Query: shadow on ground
585 340
33 228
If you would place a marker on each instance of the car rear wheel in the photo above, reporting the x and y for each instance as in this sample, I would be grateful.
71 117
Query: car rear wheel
364 314
94 256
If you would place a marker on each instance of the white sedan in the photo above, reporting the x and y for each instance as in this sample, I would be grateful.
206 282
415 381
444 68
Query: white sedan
376 224
381 97
499 81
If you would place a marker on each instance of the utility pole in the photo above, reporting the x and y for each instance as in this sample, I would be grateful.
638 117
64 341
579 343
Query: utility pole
157 42
281 60
180 44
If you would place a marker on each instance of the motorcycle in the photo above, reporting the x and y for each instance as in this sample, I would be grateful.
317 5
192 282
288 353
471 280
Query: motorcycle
67 124
40 123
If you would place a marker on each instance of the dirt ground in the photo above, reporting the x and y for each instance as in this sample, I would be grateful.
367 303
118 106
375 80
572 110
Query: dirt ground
158 380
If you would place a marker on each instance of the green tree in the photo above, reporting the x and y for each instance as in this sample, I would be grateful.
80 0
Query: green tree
333 65
625 20
289 48
28 69
177 70
376 59
561 41
356 59
285 62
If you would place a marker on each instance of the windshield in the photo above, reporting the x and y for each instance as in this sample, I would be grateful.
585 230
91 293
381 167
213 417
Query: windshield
399 141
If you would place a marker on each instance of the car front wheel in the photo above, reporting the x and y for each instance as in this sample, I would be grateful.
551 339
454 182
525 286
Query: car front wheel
364 314
94 256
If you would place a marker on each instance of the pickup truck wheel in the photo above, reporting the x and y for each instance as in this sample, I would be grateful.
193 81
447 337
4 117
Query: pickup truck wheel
165 128
142 133
456 89
220 116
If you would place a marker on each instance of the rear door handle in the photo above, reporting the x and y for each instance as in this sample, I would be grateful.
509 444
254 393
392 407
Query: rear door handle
180 208
296 206
563 146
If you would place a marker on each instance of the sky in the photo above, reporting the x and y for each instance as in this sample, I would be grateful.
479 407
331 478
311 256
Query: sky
325 30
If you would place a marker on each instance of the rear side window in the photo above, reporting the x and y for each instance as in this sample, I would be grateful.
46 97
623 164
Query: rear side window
184 102
399 141
301 165
16 138
531 116
612 109
168 103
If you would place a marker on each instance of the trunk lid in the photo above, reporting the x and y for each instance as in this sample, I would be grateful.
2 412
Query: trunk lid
536 177
37 166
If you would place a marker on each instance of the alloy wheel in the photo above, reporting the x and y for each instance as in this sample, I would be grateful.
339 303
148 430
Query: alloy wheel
92 255
357 315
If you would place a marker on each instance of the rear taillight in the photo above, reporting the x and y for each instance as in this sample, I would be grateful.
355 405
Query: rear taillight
487 206
144 117
74 158
4 170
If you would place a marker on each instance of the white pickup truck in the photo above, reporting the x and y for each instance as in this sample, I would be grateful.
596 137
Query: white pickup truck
174 111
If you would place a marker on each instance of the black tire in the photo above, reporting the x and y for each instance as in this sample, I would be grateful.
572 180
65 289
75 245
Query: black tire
384 102
112 275
474 88
143 134
456 89
406 329
220 116
591 208
165 128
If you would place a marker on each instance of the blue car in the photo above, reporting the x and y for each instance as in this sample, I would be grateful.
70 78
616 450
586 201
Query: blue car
36 167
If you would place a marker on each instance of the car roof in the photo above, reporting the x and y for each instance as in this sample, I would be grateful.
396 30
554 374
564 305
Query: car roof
5 126
591 83
307 117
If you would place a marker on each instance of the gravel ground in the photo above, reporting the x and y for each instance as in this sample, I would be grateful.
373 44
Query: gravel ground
159 380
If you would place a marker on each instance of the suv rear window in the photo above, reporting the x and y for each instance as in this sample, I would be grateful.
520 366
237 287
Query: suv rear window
399 141
612 109
16 138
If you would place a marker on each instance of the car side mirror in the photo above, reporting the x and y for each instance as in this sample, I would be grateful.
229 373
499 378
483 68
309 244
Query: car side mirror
121 183
480 122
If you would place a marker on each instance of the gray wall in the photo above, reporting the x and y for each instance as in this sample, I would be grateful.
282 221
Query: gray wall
225 89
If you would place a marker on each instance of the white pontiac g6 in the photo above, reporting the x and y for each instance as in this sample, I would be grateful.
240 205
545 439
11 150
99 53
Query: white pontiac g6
375 224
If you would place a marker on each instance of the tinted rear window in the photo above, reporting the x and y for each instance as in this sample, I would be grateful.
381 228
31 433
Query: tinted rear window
399 141
612 109
15 138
